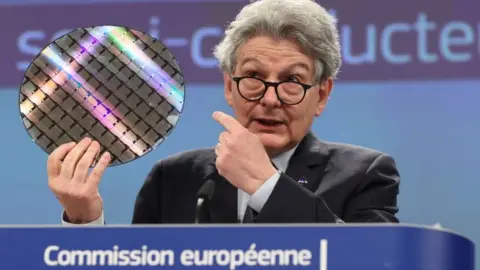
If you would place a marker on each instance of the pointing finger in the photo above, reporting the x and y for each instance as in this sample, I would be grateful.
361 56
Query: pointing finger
227 121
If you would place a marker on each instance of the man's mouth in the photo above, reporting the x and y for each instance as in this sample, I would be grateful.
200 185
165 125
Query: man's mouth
269 122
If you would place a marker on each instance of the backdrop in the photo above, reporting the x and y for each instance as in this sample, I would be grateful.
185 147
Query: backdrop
409 86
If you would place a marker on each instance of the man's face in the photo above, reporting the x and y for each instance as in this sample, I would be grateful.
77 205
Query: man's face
279 126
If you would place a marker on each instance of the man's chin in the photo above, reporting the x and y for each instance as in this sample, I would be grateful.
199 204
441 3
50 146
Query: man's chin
273 142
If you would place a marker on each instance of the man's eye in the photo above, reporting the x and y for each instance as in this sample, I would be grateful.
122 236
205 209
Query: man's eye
293 78
252 74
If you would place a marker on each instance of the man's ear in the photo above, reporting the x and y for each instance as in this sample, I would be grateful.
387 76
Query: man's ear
228 91
324 91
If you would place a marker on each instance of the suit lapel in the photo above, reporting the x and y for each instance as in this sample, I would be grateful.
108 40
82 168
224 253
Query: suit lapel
307 164
223 207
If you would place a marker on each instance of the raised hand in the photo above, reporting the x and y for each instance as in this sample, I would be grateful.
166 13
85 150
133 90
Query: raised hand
241 156
69 179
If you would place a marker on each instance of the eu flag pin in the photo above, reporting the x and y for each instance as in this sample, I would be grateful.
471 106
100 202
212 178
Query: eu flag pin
302 181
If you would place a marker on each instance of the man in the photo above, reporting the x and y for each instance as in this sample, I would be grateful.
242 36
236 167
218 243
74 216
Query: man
279 59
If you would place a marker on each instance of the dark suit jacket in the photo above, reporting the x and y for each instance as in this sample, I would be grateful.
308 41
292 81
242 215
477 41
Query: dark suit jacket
346 182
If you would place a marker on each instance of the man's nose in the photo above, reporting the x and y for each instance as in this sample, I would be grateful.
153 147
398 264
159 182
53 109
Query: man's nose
270 98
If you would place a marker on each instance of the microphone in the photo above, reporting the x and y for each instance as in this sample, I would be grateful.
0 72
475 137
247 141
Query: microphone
204 195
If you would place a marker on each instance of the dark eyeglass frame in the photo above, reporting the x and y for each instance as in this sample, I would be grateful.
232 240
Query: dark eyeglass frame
275 86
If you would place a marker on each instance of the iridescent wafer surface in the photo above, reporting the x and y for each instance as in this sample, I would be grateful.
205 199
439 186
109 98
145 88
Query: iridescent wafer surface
116 85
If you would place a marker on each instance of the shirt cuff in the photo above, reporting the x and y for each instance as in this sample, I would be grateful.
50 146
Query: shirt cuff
260 197
99 221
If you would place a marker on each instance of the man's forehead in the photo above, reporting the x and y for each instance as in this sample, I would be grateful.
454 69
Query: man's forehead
284 63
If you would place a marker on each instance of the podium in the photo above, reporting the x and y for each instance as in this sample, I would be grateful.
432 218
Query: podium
313 246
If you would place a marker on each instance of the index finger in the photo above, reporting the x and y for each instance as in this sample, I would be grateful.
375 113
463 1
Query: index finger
227 121
55 158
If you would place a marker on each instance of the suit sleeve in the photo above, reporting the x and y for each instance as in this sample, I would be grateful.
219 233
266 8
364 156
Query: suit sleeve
375 199
147 203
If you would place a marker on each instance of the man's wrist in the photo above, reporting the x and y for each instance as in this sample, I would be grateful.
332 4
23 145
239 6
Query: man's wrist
262 179
261 196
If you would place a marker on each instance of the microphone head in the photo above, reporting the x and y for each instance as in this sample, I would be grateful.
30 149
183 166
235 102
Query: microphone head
206 190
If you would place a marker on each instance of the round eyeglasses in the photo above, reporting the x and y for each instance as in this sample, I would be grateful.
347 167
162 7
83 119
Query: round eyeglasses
288 92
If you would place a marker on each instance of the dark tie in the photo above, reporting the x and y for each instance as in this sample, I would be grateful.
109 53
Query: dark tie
249 215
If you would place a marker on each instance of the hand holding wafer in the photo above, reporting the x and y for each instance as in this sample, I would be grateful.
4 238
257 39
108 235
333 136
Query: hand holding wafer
71 182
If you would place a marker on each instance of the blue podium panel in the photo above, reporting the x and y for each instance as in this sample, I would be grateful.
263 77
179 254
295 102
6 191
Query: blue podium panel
322 247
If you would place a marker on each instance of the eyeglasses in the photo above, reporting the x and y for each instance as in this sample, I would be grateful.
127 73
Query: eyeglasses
288 92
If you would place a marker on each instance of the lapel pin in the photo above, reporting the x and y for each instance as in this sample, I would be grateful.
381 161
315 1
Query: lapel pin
303 181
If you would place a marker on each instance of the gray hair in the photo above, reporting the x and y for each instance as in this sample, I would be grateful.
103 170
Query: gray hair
305 21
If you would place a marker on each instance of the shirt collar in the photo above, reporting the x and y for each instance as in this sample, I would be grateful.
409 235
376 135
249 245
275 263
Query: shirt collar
281 160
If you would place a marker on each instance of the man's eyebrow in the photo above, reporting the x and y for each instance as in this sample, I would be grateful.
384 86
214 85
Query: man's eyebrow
299 64
249 59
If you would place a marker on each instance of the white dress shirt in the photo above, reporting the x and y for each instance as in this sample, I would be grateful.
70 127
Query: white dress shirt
256 200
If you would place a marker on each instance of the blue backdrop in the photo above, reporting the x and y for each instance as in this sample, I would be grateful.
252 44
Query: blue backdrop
422 112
